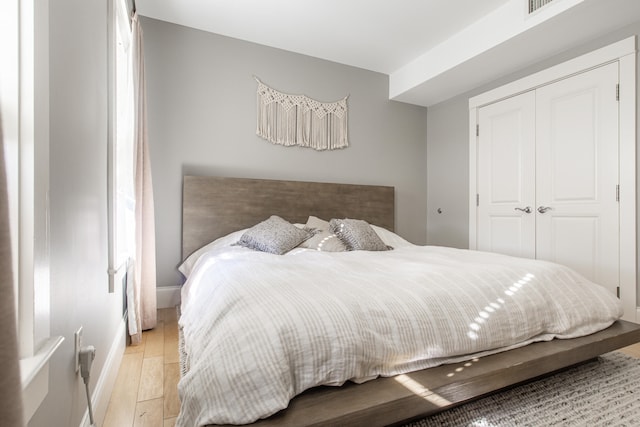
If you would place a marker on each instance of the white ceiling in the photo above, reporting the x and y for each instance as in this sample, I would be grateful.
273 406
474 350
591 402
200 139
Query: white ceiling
432 50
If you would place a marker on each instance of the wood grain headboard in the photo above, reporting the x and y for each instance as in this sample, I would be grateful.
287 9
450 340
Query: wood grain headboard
213 206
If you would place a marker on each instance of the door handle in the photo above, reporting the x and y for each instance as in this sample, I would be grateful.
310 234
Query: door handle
525 210
543 209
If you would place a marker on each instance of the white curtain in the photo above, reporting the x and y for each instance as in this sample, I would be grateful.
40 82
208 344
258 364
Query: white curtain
10 388
142 281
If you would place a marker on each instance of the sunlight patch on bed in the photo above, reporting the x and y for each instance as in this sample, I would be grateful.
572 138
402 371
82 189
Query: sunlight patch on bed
492 307
418 389
519 284
484 315
481 423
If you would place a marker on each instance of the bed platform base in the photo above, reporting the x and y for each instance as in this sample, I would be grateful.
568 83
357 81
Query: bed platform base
396 400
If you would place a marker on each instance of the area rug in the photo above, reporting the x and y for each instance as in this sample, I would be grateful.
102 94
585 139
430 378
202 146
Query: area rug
602 392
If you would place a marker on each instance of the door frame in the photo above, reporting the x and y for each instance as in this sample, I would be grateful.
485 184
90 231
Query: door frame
623 52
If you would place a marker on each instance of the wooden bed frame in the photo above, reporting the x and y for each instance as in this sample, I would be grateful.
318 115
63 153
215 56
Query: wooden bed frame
214 207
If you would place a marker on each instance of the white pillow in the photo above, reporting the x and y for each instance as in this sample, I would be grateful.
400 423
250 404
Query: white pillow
390 238
230 239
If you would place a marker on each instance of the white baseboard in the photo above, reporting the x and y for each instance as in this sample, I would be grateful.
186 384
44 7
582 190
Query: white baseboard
168 296
102 393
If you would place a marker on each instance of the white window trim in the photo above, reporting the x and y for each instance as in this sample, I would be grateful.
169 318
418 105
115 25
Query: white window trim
35 376
623 52
113 269
25 110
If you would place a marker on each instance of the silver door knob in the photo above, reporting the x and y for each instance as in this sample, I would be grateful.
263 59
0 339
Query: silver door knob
543 209
525 210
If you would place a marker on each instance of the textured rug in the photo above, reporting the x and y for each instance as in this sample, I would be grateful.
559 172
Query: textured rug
602 392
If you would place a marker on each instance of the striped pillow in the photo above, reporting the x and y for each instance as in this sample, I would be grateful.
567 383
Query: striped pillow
324 239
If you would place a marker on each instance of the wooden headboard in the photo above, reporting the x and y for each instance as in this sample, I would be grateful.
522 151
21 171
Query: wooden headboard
213 207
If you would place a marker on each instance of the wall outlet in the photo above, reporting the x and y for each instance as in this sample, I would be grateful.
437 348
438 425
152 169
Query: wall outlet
77 346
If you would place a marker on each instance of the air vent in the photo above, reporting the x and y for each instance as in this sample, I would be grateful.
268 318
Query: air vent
535 5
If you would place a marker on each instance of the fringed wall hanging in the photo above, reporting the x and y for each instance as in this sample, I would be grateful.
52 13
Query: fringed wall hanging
299 120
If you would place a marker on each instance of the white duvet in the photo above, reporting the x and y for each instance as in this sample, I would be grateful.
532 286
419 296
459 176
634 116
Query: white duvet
260 328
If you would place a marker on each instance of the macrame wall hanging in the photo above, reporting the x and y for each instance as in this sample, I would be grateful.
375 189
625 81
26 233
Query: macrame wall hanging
287 119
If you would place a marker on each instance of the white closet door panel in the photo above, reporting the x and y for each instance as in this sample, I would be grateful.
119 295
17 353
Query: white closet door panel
573 242
577 174
506 175
507 234
574 146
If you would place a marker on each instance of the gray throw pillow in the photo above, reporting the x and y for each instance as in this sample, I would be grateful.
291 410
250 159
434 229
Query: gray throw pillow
274 235
357 235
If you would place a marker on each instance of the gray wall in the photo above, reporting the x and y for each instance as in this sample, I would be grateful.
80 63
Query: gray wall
448 174
448 149
202 120
78 200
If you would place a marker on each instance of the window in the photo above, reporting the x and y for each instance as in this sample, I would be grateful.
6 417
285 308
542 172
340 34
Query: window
121 169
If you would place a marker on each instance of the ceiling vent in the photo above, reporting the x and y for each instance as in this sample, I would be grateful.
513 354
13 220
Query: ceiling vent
535 5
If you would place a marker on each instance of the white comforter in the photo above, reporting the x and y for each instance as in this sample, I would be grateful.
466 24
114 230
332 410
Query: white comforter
261 328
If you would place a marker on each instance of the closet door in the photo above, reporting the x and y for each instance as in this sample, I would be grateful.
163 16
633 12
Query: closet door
506 174
577 174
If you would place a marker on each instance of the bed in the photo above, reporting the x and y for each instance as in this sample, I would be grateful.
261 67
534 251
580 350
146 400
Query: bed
236 376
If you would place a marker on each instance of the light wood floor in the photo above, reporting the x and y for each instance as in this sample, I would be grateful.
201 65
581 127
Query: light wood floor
145 393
